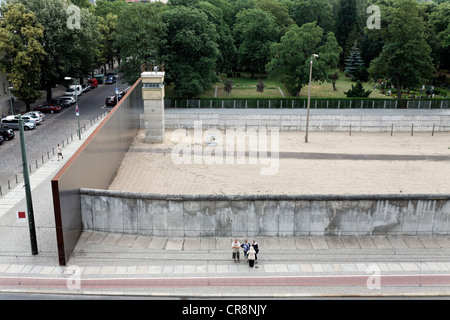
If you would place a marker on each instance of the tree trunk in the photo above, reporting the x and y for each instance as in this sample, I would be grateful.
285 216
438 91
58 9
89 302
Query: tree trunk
333 81
49 91
399 88
297 94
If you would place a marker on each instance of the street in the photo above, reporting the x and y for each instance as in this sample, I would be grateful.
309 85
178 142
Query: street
57 127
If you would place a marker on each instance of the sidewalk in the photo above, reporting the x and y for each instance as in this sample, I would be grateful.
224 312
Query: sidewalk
126 264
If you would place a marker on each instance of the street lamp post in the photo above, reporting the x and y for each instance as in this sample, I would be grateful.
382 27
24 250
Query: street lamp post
309 95
26 179
77 111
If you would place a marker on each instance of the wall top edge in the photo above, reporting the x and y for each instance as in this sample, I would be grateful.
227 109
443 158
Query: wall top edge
152 74
268 197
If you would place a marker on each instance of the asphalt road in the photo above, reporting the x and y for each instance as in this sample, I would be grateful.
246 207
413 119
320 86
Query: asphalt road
55 128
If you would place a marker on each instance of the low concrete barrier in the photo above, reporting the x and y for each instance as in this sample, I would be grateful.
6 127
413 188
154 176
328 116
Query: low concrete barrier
436 120
264 215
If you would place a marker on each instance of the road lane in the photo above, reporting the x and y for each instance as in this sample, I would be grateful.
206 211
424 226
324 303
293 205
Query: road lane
56 127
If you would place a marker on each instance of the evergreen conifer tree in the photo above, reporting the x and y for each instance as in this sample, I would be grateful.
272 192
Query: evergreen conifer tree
354 62
358 91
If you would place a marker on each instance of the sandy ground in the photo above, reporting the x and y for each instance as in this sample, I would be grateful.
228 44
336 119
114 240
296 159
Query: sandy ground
330 163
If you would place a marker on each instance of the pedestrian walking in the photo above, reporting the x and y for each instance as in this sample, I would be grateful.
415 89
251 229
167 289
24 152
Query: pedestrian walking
59 152
235 247
246 247
251 257
255 246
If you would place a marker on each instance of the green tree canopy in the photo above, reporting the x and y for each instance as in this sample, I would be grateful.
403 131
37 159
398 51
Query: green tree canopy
69 48
255 31
141 34
191 51
406 55
291 57
22 52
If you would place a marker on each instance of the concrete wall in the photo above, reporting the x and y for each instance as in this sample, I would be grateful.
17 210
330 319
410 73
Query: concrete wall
263 215
319 120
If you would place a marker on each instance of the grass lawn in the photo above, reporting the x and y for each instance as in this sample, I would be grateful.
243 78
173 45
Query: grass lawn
245 87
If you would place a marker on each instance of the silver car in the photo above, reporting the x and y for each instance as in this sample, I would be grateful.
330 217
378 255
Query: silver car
11 122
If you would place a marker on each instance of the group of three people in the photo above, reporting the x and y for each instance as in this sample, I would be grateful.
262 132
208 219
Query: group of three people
250 252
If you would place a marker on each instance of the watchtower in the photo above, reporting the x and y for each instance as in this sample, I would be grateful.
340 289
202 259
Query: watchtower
153 96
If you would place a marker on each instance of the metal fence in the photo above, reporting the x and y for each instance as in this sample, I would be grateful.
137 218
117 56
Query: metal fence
302 103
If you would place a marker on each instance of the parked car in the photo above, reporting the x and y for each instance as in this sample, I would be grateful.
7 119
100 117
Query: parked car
13 123
74 90
33 116
47 108
93 82
37 113
66 101
111 100
110 80
7 134
85 87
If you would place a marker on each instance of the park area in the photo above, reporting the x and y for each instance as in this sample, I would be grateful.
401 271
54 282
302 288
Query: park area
245 87
331 163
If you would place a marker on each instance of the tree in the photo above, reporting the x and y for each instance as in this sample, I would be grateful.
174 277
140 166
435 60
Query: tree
440 20
225 41
306 11
228 86
191 51
346 20
22 52
357 91
279 11
333 76
354 62
260 87
69 47
140 33
291 56
255 31
406 55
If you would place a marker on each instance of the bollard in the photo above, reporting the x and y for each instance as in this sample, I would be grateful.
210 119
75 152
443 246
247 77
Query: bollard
53 150
432 132
16 179
412 129
29 167
42 159
350 129
1 193
9 186
392 129
48 155
36 164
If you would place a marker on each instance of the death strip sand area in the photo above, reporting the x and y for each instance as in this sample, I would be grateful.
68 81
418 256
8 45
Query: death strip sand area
330 163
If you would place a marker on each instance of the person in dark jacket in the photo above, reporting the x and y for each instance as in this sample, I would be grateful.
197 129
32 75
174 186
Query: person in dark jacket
255 246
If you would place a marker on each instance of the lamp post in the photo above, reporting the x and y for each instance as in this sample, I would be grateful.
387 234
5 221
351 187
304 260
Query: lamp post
77 111
10 100
26 179
309 95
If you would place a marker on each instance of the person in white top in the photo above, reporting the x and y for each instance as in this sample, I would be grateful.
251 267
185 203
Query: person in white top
235 246
59 152
251 257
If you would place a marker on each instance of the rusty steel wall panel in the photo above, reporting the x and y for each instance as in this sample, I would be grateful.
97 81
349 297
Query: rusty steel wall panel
94 165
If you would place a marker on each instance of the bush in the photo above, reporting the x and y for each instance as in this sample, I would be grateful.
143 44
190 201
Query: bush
357 91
